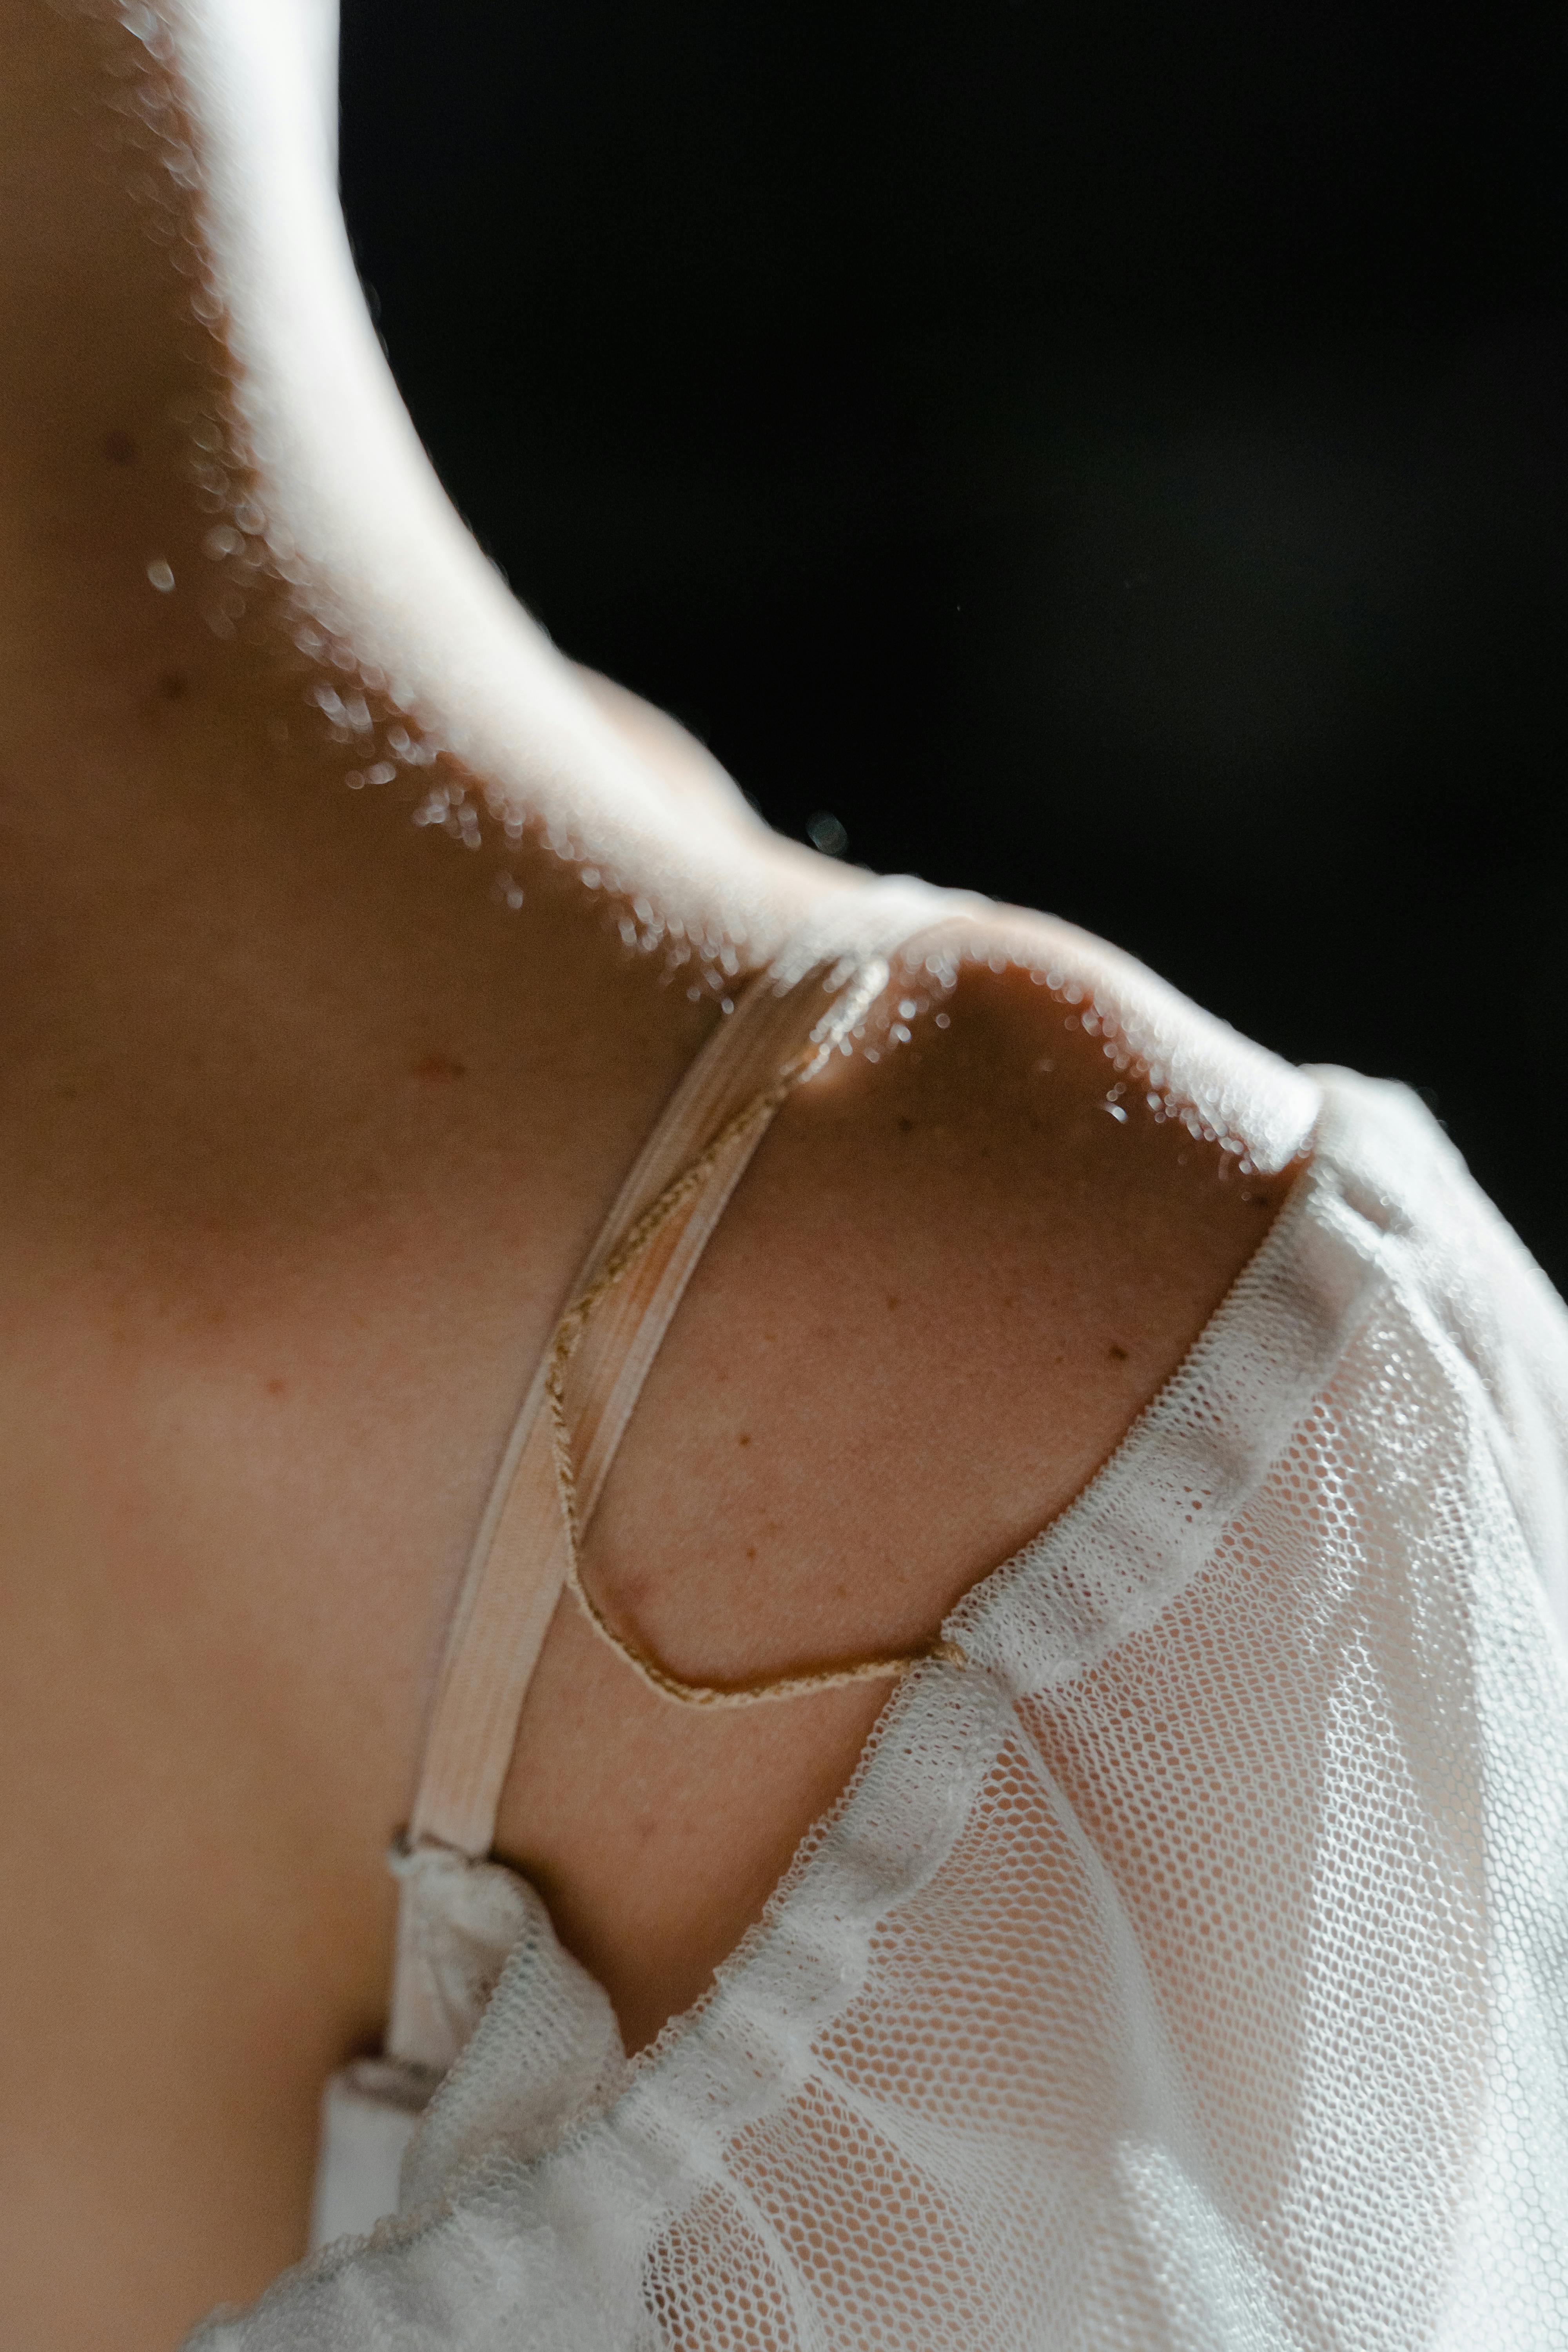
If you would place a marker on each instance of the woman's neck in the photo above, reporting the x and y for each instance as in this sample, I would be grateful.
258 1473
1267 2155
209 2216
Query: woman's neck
231 591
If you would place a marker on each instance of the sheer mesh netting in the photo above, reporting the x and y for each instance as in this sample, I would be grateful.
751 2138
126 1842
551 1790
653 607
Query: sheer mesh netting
1193 1971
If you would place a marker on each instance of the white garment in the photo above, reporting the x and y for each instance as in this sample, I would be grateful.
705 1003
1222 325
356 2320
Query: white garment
1190 1974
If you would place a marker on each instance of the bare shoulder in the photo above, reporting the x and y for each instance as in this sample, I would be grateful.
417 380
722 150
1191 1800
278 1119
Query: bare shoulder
1058 1178
962 1261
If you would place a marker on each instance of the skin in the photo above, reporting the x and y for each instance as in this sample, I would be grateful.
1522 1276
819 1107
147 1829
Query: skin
304 1132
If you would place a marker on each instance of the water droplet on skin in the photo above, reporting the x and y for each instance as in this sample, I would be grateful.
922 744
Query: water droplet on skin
908 1008
827 833
945 1020
138 21
161 574
1115 1111
221 541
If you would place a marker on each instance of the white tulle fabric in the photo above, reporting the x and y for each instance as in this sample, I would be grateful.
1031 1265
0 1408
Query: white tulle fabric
1190 1974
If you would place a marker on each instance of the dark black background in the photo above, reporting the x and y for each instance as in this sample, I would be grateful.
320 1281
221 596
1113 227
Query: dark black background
1114 457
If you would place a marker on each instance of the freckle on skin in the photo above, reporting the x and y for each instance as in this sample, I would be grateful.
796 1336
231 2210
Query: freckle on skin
744 1438
440 1066
277 1388
173 685
1118 1353
119 449
750 1551
892 1297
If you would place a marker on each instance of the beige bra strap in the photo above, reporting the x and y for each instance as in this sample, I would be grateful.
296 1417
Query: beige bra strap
525 1548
